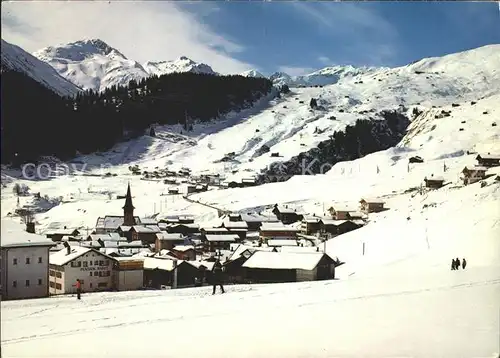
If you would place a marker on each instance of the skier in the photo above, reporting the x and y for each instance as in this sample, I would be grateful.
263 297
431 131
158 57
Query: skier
78 288
217 276
464 263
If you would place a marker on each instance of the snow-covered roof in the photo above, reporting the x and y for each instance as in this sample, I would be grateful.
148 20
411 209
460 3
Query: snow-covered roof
438 178
242 248
14 235
284 260
300 249
215 229
124 228
146 229
66 232
183 248
220 238
113 222
169 236
61 257
149 221
311 219
235 224
286 210
253 217
476 168
281 242
276 226
151 263
489 156
372 201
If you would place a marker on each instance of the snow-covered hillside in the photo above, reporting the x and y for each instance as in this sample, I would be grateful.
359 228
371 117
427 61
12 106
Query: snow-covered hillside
252 73
92 64
15 58
182 64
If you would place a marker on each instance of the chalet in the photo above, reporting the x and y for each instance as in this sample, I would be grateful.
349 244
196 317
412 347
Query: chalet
277 231
329 226
434 182
173 191
233 266
146 234
371 205
339 227
273 267
488 160
56 235
190 188
345 213
215 242
166 241
236 227
128 274
93 268
184 229
473 175
184 252
254 221
160 272
310 225
416 159
287 215
248 182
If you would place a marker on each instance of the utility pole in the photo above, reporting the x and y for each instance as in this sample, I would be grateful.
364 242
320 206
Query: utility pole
363 248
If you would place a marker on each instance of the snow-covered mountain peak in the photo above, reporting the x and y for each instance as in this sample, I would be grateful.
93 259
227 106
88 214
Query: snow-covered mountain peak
15 58
78 50
182 64
252 73
92 64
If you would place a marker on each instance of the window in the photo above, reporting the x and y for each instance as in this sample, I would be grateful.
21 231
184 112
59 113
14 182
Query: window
82 282
27 261
39 282
84 263
90 273
91 285
27 283
58 274
39 260
107 273
106 263
58 286
52 273
52 284
96 263
102 284
101 263
90 262
14 262
14 284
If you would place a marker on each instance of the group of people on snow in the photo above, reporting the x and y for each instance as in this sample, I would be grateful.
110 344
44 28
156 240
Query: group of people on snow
455 264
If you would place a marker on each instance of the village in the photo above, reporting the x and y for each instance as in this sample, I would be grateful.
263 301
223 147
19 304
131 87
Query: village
122 253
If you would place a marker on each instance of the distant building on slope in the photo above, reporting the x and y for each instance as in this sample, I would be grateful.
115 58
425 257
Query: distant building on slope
434 182
473 175
488 160
24 263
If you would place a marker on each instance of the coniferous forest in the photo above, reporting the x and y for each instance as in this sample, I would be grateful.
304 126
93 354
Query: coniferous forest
37 121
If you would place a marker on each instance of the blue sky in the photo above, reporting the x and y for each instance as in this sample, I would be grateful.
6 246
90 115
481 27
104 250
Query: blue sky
305 35
233 36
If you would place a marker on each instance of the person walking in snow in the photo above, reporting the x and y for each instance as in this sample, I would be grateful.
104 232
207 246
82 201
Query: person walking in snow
464 263
217 277
78 288
457 263
453 264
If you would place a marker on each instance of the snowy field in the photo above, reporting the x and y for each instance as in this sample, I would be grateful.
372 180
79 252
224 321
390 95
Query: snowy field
435 313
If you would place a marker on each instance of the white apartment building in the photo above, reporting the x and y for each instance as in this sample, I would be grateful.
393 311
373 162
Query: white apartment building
93 268
24 263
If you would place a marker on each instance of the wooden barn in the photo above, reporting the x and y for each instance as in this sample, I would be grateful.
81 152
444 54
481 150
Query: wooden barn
274 267
434 182
473 175
371 205
488 160
287 215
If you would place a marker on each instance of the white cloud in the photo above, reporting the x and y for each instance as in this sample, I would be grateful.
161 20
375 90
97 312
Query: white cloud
142 31
296 71
325 60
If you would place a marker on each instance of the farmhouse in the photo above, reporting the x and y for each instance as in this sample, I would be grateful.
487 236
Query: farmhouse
344 213
254 221
184 229
146 234
434 182
93 268
184 252
277 231
56 235
287 215
473 175
166 241
268 267
215 242
166 272
488 160
371 205
24 263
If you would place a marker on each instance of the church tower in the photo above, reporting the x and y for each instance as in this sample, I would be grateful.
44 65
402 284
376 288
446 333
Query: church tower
128 210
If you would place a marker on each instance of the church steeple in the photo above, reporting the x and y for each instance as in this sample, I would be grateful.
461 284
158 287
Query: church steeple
128 209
